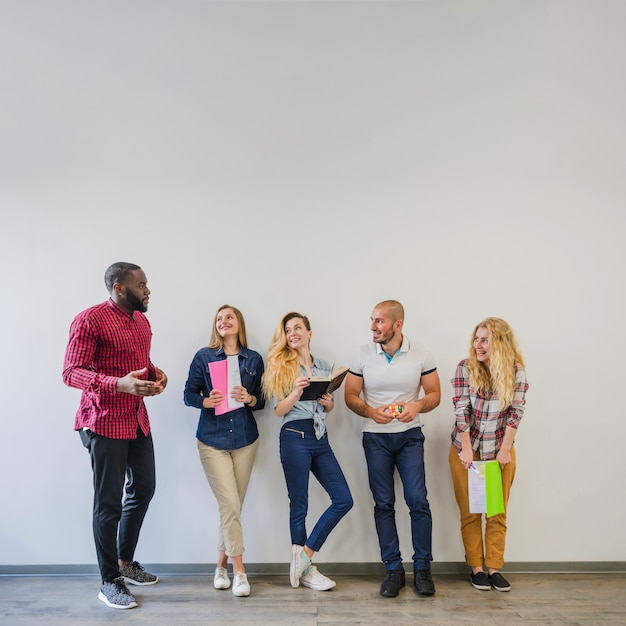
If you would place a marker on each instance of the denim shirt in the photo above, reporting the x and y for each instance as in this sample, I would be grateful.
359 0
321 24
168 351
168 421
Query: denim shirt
309 409
235 429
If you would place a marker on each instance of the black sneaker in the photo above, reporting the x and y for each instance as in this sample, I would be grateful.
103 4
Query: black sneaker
394 581
423 582
116 595
135 574
499 582
480 581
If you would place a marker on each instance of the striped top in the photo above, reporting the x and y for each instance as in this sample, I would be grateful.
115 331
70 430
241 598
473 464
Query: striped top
106 343
481 414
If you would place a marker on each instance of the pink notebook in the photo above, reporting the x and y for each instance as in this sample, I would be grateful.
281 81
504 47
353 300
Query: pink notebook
219 379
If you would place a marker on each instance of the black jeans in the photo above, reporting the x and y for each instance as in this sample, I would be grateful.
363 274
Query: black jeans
119 509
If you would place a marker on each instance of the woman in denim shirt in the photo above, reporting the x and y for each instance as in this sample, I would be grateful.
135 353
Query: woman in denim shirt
304 445
227 442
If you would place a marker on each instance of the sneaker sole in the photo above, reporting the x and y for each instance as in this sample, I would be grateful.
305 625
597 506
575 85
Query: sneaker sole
132 581
104 599
425 593
318 587
501 589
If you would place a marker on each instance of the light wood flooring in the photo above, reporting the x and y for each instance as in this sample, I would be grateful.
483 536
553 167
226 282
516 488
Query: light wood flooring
537 599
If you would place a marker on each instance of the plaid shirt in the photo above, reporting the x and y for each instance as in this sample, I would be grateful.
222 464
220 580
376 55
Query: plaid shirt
481 414
106 343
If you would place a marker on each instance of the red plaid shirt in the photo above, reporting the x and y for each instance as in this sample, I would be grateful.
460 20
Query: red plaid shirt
481 413
106 343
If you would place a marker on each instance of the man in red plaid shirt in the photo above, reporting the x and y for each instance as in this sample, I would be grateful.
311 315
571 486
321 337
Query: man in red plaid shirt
108 358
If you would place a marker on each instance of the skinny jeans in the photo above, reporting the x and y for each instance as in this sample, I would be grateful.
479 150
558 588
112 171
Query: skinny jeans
124 481
489 552
302 454
228 473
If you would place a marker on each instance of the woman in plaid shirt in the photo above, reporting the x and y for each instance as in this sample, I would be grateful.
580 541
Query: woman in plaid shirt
489 398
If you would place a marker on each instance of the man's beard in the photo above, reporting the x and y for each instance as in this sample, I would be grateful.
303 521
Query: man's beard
135 303
383 338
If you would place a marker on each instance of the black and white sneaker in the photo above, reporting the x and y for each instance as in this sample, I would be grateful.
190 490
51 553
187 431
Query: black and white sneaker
135 574
116 595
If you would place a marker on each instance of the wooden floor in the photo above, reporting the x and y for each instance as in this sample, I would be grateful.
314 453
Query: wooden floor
538 599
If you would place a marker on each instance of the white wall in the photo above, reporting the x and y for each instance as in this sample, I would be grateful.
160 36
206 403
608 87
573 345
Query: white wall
466 158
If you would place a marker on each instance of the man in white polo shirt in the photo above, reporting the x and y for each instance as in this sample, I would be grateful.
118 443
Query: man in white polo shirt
384 386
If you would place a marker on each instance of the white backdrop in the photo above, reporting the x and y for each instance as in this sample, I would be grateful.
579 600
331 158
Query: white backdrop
466 158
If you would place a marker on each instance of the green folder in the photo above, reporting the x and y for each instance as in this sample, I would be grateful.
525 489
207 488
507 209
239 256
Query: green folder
493 479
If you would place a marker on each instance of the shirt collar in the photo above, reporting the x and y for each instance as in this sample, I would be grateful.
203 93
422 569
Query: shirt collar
243 352
316 365
119 310
404 347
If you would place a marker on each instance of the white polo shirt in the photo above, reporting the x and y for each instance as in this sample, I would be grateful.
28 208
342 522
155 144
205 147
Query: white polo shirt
389 382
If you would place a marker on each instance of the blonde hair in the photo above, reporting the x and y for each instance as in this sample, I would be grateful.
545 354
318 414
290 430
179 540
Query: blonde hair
282 367
504 355
217 341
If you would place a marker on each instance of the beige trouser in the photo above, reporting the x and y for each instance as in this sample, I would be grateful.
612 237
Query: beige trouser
492 555
228 473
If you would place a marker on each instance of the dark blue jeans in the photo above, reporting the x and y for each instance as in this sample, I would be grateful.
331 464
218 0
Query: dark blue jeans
117 522
405 451
301 454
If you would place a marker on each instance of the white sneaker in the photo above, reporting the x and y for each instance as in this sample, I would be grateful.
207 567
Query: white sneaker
241 586
314 579
297 565
221 580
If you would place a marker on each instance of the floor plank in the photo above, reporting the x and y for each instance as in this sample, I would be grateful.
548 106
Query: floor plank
536 599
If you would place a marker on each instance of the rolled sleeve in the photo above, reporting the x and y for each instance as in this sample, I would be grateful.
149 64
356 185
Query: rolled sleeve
516 410
461 397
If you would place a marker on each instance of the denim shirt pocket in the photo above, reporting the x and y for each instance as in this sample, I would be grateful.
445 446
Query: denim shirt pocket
248 378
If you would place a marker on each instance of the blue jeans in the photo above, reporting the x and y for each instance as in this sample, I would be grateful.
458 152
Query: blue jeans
300 454
385 452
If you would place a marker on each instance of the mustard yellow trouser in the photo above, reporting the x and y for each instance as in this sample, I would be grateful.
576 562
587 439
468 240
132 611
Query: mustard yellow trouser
490 552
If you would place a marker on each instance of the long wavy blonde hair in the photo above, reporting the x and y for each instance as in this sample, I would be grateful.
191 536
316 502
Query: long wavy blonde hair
504 354
282 367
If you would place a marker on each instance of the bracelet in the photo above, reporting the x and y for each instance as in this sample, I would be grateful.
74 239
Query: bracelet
250 400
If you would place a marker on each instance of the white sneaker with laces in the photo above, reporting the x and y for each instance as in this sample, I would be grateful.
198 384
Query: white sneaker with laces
297 565
221 580
314 579
241 586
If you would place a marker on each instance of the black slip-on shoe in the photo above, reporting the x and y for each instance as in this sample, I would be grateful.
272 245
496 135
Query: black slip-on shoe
499 582
480 581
